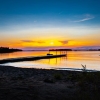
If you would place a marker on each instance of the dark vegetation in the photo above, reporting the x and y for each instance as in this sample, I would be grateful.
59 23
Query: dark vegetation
41 84
8 50
60 50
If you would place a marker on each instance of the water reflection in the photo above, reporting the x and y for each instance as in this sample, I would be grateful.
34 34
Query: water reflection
22 54
74 59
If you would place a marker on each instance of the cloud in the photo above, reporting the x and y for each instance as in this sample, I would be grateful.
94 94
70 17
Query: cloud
27 41
64 42
86 17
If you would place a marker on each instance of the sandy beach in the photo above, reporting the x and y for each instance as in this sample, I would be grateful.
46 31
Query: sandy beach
40 84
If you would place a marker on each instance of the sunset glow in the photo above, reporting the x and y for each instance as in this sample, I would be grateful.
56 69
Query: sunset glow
52 43
57 24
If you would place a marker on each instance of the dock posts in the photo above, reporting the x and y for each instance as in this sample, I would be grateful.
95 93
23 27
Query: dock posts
49 51
59 51
56 52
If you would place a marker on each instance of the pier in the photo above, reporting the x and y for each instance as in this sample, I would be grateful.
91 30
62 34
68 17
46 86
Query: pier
31 58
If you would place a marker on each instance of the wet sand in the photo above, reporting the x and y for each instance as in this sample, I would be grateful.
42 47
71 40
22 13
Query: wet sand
41 84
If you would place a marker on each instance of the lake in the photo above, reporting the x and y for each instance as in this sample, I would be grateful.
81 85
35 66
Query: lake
73 59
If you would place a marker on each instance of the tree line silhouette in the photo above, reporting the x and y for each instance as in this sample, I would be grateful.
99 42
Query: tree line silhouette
8 50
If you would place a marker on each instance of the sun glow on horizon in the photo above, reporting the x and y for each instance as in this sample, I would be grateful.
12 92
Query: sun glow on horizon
51 43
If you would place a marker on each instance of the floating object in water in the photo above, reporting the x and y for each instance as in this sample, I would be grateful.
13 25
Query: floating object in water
49 54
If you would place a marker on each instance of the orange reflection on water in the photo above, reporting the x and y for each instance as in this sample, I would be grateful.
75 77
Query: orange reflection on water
74 59
22 54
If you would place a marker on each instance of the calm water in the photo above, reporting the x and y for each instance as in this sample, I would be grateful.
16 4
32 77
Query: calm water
74 59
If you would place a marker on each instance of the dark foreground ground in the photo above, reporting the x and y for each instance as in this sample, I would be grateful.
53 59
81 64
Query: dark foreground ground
39 84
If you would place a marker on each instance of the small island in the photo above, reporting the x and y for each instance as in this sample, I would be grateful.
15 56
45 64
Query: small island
60 49
8 50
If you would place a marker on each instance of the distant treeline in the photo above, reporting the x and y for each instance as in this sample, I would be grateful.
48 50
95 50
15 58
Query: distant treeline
8 50
73 50
60 50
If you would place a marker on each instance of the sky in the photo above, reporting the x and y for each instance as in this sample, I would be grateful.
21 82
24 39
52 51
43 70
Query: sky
44 24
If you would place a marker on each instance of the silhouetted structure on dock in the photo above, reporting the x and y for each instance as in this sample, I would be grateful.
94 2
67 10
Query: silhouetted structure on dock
8 50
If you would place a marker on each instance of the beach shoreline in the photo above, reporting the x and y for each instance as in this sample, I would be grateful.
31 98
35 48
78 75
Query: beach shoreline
42 84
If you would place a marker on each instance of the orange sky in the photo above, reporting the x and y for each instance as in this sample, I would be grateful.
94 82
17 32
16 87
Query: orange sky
49 23
51 37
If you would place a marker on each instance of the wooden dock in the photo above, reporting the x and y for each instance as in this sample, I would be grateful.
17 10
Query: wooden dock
32 58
